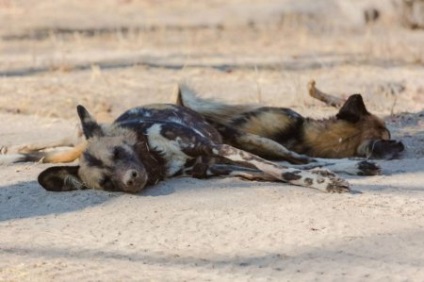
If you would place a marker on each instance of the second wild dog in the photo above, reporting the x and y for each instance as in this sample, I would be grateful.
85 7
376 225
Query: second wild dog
283 134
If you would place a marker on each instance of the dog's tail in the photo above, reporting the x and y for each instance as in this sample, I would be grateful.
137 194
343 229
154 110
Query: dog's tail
213 110
64 155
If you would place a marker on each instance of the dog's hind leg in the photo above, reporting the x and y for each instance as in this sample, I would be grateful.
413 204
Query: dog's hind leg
321 179
206 167
224 170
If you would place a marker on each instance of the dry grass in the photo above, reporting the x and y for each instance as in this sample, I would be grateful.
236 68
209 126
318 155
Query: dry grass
269 60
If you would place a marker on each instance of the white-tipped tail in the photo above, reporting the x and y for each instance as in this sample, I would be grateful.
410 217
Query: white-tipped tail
11 158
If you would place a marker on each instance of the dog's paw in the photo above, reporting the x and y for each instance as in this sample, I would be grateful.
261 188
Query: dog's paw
368 168
330 182
338 185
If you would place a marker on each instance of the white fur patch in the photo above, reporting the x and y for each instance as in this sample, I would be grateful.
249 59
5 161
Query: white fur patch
10 158
139 111
170 149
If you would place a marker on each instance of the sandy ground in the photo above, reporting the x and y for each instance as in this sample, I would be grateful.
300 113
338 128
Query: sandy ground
111 55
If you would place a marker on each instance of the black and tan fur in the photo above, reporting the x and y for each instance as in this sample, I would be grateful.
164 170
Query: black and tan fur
149 144
282 134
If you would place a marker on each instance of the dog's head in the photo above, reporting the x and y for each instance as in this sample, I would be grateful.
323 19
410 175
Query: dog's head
375 137
110 161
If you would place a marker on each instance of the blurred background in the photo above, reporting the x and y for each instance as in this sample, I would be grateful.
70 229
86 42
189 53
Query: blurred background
113 54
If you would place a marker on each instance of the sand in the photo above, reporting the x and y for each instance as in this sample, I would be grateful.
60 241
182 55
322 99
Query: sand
227 229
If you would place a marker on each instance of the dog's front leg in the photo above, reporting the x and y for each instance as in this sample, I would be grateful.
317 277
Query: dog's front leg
358 166
238 171
321 179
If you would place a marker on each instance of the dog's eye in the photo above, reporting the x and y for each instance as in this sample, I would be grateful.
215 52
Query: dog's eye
119 153
107 184
104 181
91 160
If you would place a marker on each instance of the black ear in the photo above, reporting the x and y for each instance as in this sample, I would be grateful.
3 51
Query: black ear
90 127
179 101
61 178
353 109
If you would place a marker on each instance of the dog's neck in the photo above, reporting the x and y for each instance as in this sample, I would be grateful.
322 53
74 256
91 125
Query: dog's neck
331 137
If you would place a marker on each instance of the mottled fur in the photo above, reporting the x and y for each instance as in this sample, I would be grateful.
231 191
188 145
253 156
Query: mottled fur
148 144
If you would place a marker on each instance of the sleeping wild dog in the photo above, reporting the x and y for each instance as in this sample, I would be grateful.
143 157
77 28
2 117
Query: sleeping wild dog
148 144
282 134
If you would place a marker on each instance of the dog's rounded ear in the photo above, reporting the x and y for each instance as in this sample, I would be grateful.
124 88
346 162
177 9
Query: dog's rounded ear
353 109
61 178
90 127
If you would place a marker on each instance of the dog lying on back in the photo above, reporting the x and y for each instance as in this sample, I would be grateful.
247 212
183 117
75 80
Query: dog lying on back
282 134
148 144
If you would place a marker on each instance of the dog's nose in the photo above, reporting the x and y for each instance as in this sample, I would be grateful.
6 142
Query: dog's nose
132 178
134 181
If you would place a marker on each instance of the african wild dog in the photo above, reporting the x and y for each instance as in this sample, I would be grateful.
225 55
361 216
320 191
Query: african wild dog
282 134
148 144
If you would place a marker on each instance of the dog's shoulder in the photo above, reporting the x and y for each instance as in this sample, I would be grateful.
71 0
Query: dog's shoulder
167 114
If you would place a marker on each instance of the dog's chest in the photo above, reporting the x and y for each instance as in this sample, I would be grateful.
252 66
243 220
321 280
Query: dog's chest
169 150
